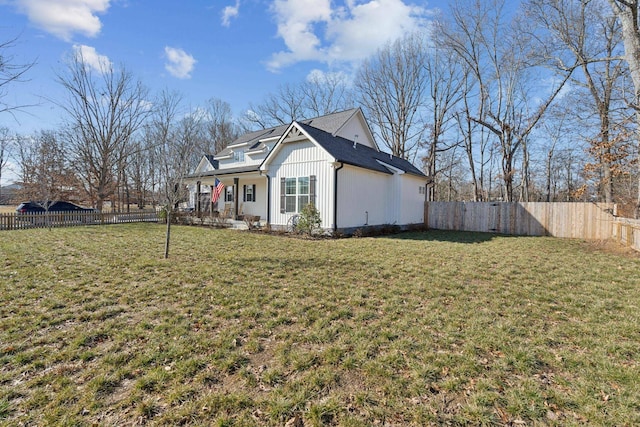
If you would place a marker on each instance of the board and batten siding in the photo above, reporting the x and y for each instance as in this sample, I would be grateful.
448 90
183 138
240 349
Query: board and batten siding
259 207
300 159
254 159
364 197
353 128
412 200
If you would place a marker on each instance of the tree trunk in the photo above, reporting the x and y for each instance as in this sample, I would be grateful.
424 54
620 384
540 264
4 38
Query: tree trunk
637 213
168 235
548 184
524 191
431 188
507 175
127 195
605 161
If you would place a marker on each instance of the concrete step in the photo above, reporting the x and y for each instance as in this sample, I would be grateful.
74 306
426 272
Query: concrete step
237 225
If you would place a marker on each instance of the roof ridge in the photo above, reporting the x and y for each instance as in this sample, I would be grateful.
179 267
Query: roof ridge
335 113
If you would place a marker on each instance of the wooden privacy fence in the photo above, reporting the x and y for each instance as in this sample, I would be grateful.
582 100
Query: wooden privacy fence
14 221
591 221
627 232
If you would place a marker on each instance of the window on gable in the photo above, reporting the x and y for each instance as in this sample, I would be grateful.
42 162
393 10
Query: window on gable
238 156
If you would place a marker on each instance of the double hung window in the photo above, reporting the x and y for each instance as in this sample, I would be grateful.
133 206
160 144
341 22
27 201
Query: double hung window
296 193
228 193
249 193
238 156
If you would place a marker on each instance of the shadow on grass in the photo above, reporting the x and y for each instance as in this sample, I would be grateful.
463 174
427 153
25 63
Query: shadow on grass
445 236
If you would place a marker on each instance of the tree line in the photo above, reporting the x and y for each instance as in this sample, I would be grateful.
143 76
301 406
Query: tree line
535 103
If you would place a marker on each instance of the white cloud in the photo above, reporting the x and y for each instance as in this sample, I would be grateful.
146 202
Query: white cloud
180 63
63 18
346 33
323 77
230 12
91 57
371 25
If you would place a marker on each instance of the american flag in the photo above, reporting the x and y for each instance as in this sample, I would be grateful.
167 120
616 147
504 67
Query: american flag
217 189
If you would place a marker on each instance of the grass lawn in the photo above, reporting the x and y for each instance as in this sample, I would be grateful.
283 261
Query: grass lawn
236 328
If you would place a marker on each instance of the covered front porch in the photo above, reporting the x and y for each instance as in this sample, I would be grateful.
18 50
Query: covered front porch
243 195
247 223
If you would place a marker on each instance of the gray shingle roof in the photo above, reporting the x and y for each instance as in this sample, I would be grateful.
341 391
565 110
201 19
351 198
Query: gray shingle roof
322 129
211 160
362 155
250 139
329 123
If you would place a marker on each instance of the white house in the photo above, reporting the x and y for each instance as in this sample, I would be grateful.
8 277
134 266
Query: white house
331 161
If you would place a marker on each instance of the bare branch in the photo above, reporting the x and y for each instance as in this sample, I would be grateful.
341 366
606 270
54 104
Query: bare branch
11 72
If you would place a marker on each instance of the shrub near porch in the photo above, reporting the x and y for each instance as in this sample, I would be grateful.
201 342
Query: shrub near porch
250 329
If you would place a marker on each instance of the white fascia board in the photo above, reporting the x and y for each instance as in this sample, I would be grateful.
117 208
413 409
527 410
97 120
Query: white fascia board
345 122
263 166
271 138
203 165
281 140
261 149
242 144
255 153
358 113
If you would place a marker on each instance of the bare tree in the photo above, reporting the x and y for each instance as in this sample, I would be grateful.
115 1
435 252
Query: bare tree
627 12
174 144
219 125
445 81
177 161
593 39
10 72
105 107
450 182
554 131
501 58
475 140
191 130
45 171
325 93
278 108
318 95
391 87
138 171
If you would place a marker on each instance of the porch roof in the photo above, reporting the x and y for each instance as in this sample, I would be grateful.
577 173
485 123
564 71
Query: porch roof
228 171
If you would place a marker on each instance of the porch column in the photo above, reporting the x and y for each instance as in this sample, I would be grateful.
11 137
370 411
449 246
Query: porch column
211 201
236 186
198 197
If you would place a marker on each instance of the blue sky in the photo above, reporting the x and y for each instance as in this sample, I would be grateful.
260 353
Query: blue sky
234 50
